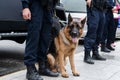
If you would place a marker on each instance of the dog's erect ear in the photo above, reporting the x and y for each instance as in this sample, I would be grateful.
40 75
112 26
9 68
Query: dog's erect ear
70 19
83 21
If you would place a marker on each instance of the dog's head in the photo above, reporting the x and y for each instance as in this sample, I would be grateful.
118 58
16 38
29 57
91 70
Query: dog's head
74 29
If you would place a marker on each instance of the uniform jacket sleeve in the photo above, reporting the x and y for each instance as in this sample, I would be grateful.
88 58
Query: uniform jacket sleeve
109 4
25 3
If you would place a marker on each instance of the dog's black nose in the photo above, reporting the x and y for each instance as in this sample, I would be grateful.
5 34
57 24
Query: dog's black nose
74 34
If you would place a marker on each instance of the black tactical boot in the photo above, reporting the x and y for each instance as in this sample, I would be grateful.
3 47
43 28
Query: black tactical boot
32 73
87 58
110 47
96 56
43 70
104 48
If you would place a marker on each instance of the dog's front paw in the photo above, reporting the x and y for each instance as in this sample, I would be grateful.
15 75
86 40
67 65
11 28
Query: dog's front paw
65 75
76 74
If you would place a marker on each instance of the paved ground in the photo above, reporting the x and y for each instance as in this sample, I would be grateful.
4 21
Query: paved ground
101 70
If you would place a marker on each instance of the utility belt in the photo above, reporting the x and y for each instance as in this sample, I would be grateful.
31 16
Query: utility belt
99 7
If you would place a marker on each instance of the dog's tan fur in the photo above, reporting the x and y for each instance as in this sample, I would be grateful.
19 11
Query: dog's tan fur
65 48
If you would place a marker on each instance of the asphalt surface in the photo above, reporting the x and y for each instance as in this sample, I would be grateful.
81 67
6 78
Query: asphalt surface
101 70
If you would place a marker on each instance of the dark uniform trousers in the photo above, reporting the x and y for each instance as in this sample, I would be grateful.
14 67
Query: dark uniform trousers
95 24
109 29
39 33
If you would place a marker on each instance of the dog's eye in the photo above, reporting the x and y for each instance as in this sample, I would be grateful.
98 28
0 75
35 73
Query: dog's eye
71 26
78 26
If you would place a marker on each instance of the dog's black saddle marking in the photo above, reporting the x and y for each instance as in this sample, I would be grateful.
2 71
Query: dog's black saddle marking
56 27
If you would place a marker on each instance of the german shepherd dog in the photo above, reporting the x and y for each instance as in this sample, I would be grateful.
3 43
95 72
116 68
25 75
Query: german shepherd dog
65 44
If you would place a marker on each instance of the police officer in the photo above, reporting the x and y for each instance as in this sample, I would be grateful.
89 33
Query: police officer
95 22
109 29
38 16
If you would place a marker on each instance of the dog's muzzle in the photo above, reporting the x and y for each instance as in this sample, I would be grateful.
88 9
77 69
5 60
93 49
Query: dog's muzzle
74 36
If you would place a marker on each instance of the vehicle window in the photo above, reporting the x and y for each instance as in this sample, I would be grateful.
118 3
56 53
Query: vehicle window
118 1
74 5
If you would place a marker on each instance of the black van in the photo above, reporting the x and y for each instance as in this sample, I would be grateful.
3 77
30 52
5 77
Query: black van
12 25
